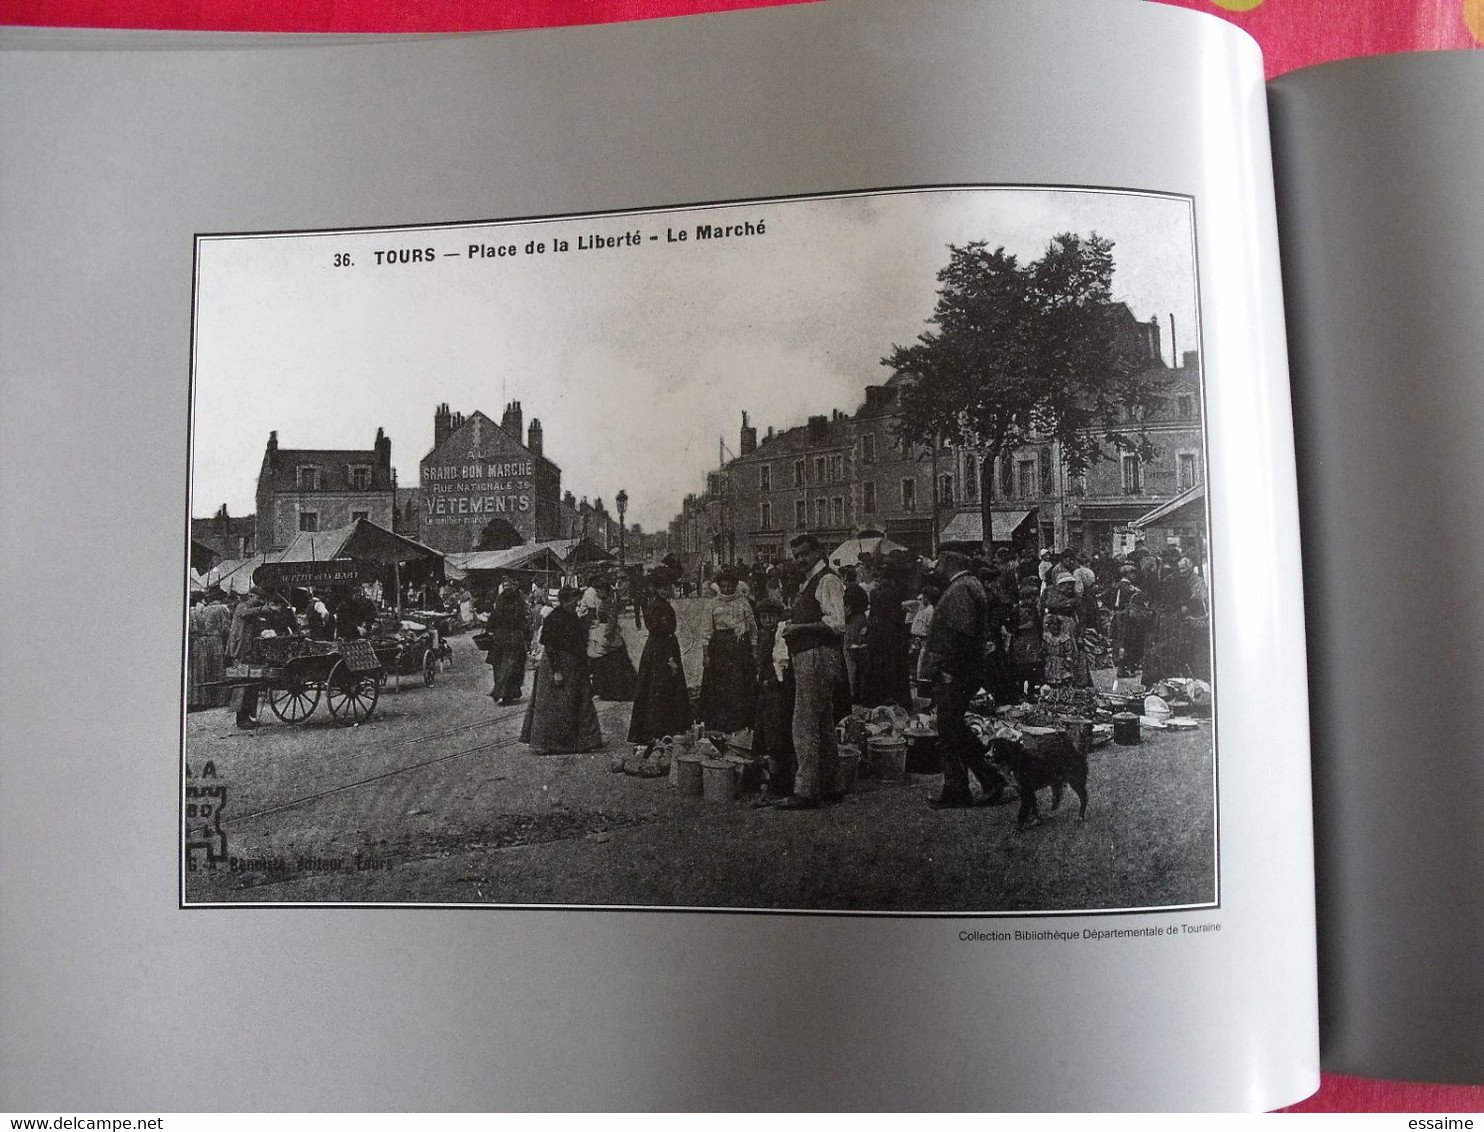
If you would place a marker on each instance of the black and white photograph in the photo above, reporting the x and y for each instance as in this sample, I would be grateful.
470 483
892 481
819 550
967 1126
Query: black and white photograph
833 554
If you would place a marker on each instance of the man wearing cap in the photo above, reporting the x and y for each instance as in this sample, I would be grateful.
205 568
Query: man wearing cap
953 662
813 637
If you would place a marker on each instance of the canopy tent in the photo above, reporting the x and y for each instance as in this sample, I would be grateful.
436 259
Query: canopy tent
1187 507
574 551
233 575
968 527
363 540
538 559
849 552
203 557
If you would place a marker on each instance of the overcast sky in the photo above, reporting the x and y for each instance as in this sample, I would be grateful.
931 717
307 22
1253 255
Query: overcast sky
636 359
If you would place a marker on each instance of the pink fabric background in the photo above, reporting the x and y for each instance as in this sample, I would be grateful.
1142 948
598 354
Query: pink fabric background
1293 33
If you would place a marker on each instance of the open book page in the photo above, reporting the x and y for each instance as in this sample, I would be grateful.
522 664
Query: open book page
336 288
1379 163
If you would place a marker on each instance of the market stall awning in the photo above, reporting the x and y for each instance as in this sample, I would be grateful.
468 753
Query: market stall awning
1187 507
233 575
535 559
968 526
203 557
849 552
575 551
363 540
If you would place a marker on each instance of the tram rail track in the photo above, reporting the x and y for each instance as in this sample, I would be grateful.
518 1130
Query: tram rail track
498 744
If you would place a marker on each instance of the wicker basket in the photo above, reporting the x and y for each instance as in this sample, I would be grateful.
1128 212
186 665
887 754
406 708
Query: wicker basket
281 650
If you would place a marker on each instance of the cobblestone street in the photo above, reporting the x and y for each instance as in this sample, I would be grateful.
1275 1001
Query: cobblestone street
436 800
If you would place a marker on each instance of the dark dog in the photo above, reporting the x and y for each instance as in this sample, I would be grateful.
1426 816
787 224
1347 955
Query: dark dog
1037 761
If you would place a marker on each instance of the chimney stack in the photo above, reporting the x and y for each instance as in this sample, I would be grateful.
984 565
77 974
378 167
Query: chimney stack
534 437
1189 359
749 437
513 422
383 449
442 424
819 428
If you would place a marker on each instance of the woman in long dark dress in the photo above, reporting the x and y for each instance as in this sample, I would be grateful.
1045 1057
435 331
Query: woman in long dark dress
661 702
728 680
885 665
1167 649
772 731
509 630
561 717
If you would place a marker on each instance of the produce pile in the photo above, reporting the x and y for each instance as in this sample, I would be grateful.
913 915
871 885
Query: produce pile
655 760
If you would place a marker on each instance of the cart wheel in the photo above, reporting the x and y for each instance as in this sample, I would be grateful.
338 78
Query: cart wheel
430 667
294 704
351 695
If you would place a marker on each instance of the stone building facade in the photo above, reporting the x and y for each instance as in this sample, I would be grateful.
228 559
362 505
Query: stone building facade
836 476
487 486
318 489
1031 500
850 474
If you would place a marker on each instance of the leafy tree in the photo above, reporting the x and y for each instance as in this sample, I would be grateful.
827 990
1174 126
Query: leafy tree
1028 352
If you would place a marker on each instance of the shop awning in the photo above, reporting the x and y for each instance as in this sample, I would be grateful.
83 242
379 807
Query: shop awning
1187 507
968 526
1112 512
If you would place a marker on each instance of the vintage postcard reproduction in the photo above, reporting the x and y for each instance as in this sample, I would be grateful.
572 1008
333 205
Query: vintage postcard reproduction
841 554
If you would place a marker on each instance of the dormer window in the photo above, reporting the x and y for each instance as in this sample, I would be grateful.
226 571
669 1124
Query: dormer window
307 477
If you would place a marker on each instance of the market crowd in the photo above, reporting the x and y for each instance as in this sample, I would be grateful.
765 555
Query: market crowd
789 646
226 628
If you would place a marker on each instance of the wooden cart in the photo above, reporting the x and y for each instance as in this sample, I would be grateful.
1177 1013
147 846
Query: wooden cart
294 673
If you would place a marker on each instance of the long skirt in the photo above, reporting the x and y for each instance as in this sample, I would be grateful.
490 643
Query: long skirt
1167 648
1066 663
661 702
561 719
613 675
772 734
728 686
207 664
885 672
507 659
1130 627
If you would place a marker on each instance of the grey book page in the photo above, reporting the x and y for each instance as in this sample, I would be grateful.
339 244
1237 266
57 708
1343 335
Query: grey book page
1379 166
292 238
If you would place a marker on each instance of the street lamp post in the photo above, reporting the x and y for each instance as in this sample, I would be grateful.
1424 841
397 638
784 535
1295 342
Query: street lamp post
622 500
